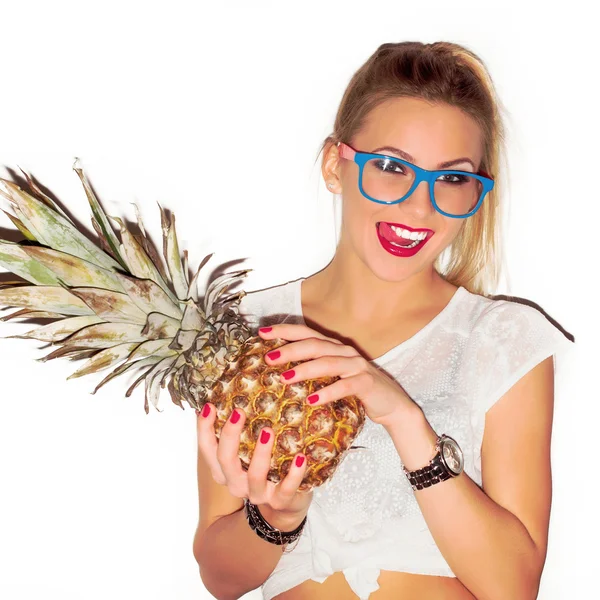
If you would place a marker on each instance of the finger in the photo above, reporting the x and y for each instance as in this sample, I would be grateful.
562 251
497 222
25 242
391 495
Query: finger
306 349
208 444
258 492
228 455
286 489
325 366
292 332
355 385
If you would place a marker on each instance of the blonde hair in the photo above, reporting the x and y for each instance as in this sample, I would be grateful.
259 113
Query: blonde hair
440 72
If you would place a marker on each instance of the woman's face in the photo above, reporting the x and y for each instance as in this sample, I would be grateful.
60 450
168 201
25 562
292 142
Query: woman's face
431 134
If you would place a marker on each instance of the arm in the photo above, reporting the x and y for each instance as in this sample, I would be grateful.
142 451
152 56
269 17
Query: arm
234 560
495 539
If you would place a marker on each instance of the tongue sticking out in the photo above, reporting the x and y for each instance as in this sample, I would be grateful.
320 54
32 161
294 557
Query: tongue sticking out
386 232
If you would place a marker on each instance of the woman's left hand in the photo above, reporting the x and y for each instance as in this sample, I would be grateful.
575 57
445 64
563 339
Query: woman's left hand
384 400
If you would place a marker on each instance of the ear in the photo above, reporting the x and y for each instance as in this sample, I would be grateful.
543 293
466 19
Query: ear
330 168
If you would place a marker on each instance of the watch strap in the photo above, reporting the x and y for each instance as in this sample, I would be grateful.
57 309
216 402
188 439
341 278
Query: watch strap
433 473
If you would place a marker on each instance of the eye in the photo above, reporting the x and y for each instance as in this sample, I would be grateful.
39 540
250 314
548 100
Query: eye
386 165
454 178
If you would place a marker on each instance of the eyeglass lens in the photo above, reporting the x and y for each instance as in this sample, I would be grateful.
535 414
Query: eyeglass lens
388 180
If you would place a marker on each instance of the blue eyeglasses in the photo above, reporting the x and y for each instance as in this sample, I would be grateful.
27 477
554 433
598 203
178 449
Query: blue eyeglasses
390 180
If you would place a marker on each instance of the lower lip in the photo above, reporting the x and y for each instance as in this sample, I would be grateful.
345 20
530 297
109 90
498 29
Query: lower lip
397 250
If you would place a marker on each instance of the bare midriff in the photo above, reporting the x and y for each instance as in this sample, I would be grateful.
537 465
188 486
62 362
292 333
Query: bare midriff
392 586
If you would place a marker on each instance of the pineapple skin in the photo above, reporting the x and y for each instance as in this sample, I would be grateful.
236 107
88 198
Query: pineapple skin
323 434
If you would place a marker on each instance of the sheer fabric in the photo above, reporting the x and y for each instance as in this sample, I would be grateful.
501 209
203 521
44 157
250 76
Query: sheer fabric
366 518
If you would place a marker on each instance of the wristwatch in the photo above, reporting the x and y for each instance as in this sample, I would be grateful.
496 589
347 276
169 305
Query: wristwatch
447 462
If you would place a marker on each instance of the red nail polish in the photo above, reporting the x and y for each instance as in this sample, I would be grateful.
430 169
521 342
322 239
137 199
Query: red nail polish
265 329
289 374
299 461
313 398
235 416
206 410
273 355
264 437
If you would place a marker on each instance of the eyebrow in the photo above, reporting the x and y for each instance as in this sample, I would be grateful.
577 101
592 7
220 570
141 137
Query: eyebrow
409 158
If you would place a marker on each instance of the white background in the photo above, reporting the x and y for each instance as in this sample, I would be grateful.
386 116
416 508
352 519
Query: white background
217 110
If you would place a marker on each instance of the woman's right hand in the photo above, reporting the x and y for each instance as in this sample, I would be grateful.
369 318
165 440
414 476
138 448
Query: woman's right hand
281 504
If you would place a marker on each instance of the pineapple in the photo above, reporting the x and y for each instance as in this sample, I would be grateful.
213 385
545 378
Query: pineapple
118 306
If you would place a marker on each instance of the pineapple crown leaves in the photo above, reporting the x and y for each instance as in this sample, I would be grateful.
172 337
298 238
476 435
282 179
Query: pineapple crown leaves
114 302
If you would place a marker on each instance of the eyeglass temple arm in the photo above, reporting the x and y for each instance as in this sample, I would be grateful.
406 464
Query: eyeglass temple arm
345 151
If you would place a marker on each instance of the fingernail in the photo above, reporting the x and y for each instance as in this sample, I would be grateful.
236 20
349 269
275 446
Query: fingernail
273 355
235 416
206 410
313 398
299 461
264 437
289 374
265 329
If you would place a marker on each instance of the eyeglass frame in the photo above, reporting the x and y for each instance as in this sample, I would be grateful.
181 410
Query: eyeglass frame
361 158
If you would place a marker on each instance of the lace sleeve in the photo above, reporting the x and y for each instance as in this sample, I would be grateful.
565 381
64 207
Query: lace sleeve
509 340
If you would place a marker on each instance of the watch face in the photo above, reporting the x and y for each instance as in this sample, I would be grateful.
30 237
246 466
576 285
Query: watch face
452 455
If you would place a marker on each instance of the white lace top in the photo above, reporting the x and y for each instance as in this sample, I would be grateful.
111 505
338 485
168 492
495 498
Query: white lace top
365 517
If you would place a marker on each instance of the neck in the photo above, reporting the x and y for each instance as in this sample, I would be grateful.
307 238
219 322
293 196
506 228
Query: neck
358 293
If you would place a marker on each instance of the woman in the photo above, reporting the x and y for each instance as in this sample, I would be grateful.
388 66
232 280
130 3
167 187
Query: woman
401 315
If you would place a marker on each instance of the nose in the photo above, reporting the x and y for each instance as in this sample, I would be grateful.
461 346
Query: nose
419 201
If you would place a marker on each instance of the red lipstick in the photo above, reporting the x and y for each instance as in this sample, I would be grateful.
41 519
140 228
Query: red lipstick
397 250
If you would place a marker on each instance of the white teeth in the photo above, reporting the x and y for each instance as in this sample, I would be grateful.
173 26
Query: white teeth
408 235
406 247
